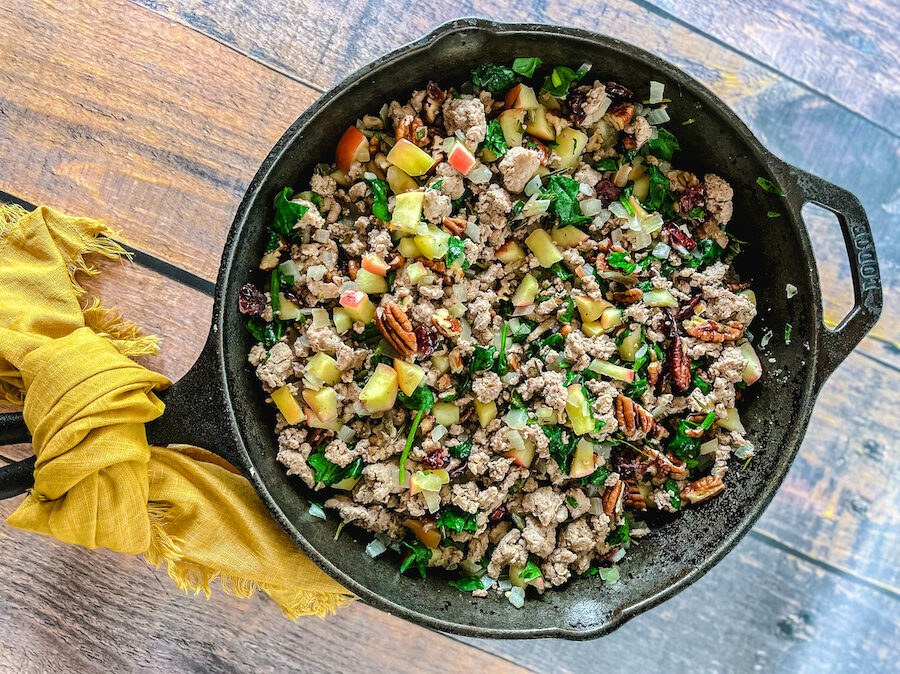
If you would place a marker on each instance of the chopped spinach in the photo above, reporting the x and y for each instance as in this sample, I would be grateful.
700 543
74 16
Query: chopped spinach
526 66
454 519
456 252
482 358
664 145
699 382
419 555
468 584
709 251
558 82
563 195
561 446
457 204
462 450
530 572
380 203
329 473
569 312
658 192
493 77
267 333
769 186
555 341
561 271
598 477
421 400
494 140
287 213
502 365
636 389
675 493
523 329
621 535
621 261
685 447
608 164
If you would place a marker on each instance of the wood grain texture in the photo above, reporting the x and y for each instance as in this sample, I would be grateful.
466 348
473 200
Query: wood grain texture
321 44
846 51
145 124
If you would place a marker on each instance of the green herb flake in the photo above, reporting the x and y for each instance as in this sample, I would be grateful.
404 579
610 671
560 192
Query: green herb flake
380 203
419 556
493 77
788 328
688 121
454 519
569 312
456 252
769 186
563 195
469 584
674 493
621 261
462 450
664 145
558 82
526 66
436 185
773 214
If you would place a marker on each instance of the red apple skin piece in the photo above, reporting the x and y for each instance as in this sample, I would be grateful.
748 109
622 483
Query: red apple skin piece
753 369
351 299
521 457
461 159
353 145
583 463
375 265
521 96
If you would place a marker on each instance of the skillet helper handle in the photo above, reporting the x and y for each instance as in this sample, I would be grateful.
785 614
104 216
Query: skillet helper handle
15 478
837 344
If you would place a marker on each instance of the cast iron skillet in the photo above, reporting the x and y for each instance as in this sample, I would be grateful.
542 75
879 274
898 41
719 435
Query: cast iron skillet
218 404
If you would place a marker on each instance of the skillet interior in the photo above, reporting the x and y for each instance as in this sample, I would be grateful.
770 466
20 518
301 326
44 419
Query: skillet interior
679 551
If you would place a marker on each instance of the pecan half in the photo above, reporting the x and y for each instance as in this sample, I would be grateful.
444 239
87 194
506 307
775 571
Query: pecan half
703 489
456 226
620 115
713 331
634 499
679 365
629 296
446 324
633 419
395 327
611 498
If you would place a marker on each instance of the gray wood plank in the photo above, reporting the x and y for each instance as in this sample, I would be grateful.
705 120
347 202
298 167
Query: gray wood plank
848 52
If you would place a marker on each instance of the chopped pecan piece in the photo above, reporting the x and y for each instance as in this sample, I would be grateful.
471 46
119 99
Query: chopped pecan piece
620 115
395 262
395 327
317 436
679 365
713 331
434 96
653 371
414 130
437 266
446 324
352 269
634 499
666 465
455 226
444 382
612 497
633 419
703 489
629 296
737 287
456 362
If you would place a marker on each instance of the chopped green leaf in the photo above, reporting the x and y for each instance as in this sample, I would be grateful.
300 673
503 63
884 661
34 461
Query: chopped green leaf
267 333
462 450
788 328
328 473
273 242
522 330
558 82
621 535
675 493
769 186
699 382
482 358
709 251
637 389
658 192
274 290
561 271
502 365
493 77
621 261
380 203
608 164
572 501
555 341
598 477
562 445
563 194
419 556
457 204
456 252
773 214
454 519
494 140
664 145
421 399
287 213
469 584
696 213
436 185
530 572
685 447
526 66
569 312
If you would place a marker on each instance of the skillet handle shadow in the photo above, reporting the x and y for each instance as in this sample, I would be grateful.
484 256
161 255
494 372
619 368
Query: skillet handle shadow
868 300
194 416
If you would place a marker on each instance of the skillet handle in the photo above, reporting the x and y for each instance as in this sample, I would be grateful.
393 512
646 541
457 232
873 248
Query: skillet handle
195 415
837 344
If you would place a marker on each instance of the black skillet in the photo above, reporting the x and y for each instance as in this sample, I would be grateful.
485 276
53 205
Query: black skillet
219 404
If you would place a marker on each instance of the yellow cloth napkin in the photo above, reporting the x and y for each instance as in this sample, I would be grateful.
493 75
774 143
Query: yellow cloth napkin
97 482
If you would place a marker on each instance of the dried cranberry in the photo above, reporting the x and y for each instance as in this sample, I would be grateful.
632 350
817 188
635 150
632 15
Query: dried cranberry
497 515
435 92
687 310
437 460
251 301
693 196
576 100
425 520
607 191
624 463
678 237
618 92
426 340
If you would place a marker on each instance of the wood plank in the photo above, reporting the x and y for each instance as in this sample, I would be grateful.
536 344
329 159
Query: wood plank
758 610
784 116
146 124
847 52
69 609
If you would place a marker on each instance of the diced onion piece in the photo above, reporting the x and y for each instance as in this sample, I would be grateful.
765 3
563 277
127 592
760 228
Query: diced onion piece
545 413
586 190
709 447
618 210
658 116
516 596
516 441
345 433
601 218
591 207
480 174
432 500
473 231
321 319
744 451
510 378
640 240
466 329
653 223
448 144
460 293
609 575
487 582
322 236
368 175
791 290
316 272
620 553
656 92
517 520
681 250
516 418
535 207
533 186
438 432
375 548
359 410
316 511
661 251
596 506
460 135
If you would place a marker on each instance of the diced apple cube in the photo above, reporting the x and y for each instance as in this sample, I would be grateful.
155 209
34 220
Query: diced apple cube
428 480
611 318
526 292
584 462
408 248
512 123
380 392
416 272
434 244
441 363
536 124
358 306
400 181
515 579
592 328
374 264
426 533
732 421
346 484
288 311
288 406
486 412
522 457
579 411
314 422
409 375
325 368
323 403
410 159
546 252
641 187
659 298
461 158
753 369
353 146
446 414
589 309
510 253
342 320
407 212
629 346
521 96
569 146
568 236
612 371
370 283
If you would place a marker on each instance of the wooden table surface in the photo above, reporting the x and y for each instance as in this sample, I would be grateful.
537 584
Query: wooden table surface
154 115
